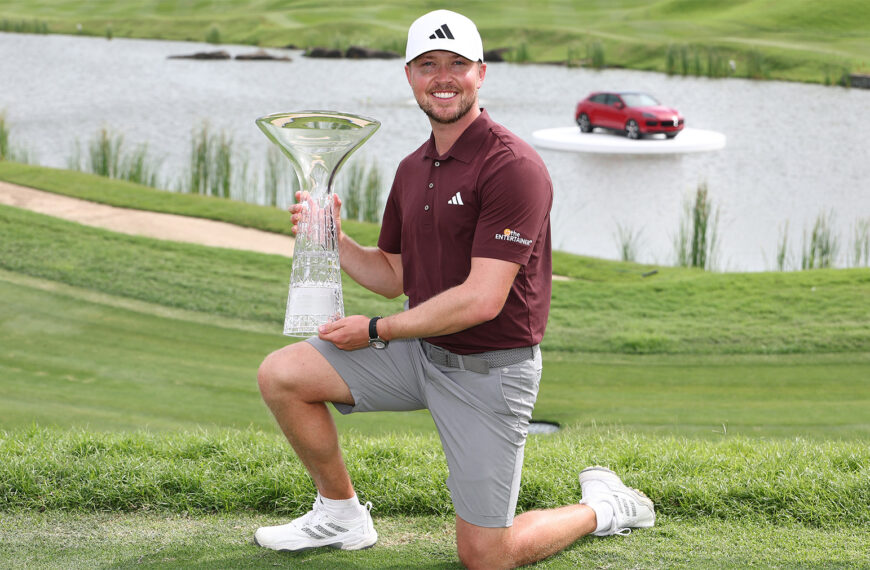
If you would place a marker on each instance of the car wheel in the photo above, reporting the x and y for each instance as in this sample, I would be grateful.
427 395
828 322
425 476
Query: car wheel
632 130
585 123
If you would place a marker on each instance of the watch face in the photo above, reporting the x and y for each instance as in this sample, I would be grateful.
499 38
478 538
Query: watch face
378 343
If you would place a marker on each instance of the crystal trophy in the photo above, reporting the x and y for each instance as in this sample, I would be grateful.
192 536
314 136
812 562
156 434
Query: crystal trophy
317 143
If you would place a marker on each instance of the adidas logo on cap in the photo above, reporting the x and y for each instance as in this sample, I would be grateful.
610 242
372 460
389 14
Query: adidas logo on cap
452 32
442 32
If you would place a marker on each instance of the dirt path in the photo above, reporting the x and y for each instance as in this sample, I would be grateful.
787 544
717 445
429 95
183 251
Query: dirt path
150 224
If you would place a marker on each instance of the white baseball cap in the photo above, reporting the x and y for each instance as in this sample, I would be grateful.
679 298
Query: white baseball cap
444 30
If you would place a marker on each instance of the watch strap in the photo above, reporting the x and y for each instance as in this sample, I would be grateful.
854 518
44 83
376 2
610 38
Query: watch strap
373 328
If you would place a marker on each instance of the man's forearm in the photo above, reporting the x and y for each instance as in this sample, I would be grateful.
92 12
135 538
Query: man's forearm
479 299
451 311
370 267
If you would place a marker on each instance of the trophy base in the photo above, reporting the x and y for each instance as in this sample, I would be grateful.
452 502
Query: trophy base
310 307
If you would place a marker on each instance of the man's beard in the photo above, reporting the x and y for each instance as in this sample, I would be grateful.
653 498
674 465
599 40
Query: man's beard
465 105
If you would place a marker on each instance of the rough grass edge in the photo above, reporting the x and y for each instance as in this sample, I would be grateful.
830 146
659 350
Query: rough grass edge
780 481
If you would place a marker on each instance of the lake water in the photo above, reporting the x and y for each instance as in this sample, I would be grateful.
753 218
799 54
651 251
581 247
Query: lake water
794 151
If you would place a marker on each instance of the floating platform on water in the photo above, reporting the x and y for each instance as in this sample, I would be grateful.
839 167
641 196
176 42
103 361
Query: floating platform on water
606 142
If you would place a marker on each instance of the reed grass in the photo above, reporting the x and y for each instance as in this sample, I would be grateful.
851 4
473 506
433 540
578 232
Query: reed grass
696 241
690 59
32 26
821 245
8 151
361 192
860 251
372 195
107 157
213 36
211 163
274 176
595 54
104 153
627 240
353 192
782 254
215 168
4 137
522 54
838 75
757 66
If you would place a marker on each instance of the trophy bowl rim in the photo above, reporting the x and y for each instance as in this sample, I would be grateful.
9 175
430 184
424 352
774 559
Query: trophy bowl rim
315 113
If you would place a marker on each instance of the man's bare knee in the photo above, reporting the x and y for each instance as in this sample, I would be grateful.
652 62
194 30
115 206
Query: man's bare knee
479 547
299 371
277 375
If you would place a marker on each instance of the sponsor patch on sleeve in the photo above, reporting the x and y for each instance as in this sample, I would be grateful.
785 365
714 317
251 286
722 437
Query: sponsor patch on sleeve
512 235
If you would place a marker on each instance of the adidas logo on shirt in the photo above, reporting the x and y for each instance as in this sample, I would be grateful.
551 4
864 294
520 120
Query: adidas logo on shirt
442 32
456 200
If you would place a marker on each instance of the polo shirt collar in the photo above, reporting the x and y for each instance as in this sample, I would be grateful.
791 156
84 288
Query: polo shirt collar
468 143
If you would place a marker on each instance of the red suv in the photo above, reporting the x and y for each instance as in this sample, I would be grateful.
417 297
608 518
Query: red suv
635 114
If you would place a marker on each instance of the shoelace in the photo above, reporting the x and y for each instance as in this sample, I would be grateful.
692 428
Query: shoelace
310 516
623 532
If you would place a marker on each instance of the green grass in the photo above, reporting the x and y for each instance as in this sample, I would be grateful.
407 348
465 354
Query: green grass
109 540
132 431
797 40
195 498
72 357
787 481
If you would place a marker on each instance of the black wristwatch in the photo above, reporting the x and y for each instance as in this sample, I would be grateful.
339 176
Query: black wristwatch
374 340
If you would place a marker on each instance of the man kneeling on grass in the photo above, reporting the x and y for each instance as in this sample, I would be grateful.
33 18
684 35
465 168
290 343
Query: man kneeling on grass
466 236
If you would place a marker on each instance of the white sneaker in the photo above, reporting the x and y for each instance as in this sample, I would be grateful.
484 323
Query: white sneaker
316 529
631 508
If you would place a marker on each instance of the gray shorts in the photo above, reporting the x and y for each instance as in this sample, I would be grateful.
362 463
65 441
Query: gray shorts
482 419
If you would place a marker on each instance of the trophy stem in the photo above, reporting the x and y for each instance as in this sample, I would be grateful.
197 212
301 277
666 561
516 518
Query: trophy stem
317 143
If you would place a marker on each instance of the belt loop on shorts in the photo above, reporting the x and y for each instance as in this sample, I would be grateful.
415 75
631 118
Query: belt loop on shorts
481 362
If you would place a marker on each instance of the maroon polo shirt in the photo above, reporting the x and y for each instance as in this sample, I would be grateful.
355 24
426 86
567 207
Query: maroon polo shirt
488 196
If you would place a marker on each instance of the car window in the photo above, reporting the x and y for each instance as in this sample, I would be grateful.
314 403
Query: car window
611 99
600 98
639 100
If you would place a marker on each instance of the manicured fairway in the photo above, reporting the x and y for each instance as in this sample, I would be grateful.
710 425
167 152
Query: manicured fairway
74 358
